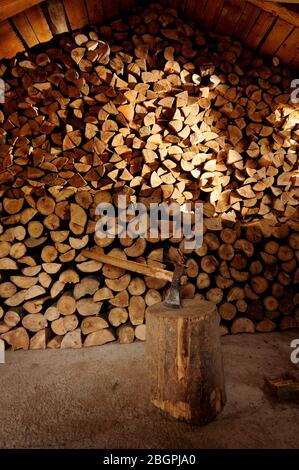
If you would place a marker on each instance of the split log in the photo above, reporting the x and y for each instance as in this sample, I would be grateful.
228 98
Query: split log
242 325
17 338
119 284
8 263
78 219
227 311
56 289
92 324
152 297
87 286
40 339
140 332
51 313
70 322
24 282
87 306
34 322
72 340
58 327
125 334
121 299
97 338
136 310
102 294
117 316
55 342
12 318
7 289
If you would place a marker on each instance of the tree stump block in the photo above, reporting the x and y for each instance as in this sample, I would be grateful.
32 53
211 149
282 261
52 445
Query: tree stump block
185 361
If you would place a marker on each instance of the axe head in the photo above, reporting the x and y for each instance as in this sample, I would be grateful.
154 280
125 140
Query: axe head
172 299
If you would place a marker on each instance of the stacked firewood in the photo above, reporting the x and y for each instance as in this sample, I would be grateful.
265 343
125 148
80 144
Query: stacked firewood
157 110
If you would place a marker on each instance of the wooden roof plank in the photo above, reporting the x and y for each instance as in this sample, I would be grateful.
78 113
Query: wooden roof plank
39 23
10 44
246 21
212 12
259 30
10 8
230 15
280 31
277 10
25 29
289 50
95 11
76 12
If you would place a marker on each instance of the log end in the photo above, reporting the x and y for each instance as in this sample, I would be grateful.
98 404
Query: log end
190 308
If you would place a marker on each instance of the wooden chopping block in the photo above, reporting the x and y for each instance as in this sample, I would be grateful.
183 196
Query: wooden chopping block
185 361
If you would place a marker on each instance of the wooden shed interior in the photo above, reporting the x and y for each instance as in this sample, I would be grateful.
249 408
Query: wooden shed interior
182 100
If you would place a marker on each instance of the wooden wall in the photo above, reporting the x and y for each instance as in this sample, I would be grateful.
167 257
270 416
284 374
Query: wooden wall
264 26
44 19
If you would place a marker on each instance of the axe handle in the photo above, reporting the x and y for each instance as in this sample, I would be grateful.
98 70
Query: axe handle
144 269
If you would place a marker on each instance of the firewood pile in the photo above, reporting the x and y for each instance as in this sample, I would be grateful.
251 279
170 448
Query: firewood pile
155 109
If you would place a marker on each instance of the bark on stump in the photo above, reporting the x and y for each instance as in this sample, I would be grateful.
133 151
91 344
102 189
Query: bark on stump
185 361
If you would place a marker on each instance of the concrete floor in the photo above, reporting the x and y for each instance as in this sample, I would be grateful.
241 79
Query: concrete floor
97 398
